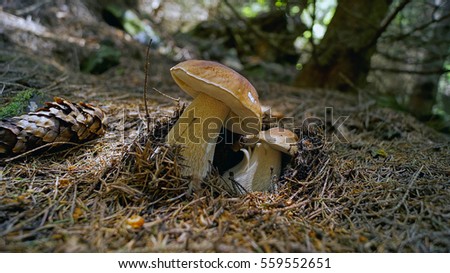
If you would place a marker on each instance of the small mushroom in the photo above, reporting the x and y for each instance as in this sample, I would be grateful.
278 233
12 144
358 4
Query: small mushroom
262 159
222 97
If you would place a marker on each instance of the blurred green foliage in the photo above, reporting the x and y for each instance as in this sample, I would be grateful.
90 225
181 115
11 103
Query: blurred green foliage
252 9
134 25
101 60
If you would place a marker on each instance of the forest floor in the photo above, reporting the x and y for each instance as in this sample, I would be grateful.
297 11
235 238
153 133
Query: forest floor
383 185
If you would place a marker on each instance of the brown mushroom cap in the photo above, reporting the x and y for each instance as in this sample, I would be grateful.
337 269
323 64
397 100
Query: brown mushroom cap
226 85
280 139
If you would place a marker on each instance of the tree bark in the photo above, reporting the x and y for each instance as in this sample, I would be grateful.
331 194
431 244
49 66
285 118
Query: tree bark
424 92
342 59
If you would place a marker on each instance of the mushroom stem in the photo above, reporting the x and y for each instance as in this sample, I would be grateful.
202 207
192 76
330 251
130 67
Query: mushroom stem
239 173
197 129
269 166
256 171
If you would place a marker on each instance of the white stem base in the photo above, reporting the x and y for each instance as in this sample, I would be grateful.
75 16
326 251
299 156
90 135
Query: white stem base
258 168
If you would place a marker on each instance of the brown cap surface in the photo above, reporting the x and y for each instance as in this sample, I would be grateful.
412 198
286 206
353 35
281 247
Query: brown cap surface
279 139
226 85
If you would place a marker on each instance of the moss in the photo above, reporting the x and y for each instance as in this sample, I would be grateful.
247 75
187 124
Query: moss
18 104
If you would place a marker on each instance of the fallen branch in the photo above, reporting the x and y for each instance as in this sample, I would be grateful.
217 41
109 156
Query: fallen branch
410 71
16 23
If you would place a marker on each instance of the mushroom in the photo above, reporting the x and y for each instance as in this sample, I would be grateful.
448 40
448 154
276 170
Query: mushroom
222 97
262 159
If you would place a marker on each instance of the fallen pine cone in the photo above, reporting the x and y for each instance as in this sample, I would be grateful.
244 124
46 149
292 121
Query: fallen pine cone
58 122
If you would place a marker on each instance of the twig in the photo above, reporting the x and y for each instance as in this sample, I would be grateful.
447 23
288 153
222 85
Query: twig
147 60
411 183
291 207
38 148
400 58
11 22
418 28
31 8
314 54
73 204
421 236
351 84
410 71
167 96
386 22
180 209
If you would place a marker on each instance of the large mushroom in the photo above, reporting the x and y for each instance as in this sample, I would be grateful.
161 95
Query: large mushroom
262 159
222 97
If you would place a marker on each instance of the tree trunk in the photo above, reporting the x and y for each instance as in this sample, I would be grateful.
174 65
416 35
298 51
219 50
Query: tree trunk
424 91
343 56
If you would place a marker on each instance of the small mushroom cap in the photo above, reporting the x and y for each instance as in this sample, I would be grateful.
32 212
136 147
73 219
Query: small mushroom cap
226 85
279 139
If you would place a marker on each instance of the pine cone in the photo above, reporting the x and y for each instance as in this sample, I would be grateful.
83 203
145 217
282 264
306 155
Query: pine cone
58 121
